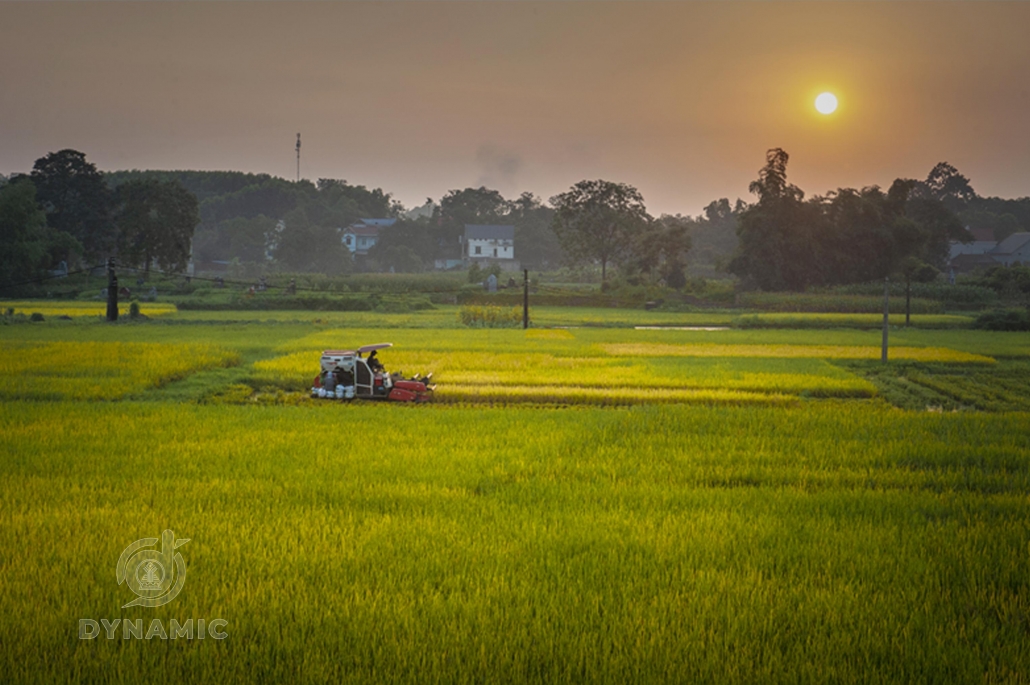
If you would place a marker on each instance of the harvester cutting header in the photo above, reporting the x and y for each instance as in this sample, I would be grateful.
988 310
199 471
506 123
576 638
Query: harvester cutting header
347 375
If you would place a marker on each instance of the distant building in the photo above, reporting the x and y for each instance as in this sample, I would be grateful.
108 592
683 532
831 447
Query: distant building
983 254
485 244
1013 250
361 236
977 247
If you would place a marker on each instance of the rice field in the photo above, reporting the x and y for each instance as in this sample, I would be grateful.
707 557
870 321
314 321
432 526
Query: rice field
839 543
935 354
77 308
578 505
99 370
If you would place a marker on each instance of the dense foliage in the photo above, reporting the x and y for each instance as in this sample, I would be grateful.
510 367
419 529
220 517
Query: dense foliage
849 236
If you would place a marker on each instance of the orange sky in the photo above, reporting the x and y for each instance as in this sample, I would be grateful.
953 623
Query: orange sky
680 99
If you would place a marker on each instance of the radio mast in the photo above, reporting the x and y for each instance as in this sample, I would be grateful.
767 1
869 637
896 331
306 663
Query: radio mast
298 158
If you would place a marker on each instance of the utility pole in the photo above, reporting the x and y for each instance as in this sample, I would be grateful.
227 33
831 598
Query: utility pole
886 317
298 158
112 291
525 298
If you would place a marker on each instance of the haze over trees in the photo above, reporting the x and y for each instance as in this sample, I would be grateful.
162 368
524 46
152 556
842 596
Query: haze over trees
782 240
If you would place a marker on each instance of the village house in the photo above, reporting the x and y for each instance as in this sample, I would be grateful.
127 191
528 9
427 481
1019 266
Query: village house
361 236
485 244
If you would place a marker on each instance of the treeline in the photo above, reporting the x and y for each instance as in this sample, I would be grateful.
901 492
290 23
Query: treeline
857 236
66 210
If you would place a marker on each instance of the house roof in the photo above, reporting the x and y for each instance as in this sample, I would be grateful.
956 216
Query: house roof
968 260
488 232
368 227
362 230
976 247
1012 244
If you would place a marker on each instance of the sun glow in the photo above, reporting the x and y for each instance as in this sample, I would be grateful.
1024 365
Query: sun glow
826 103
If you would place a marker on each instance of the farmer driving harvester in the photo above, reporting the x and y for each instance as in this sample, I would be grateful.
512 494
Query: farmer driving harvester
345 374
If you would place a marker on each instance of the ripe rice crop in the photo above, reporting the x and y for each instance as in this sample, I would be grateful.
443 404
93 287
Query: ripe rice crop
829 542
99 370
817 320
488 316
634 378
76 308
929 354
566 394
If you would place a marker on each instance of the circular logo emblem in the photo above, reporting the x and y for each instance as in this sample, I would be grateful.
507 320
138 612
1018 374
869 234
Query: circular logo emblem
155 575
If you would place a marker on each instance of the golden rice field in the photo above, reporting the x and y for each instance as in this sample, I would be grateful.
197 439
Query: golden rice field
578 505
830 542
75 308
534 376
99 370
926 354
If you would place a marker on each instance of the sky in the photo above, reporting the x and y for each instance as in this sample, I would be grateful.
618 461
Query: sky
679 99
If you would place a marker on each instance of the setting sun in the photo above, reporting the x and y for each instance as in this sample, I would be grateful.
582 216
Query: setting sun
826 103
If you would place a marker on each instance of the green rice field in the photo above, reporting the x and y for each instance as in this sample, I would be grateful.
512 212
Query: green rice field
577 505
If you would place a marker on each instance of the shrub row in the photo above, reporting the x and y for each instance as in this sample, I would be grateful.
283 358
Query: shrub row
490 316
828 302
953 296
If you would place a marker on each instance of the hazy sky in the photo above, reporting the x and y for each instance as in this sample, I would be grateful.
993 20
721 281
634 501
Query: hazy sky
680 99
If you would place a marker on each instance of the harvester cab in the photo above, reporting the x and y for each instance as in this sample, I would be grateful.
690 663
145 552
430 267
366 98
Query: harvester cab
348 374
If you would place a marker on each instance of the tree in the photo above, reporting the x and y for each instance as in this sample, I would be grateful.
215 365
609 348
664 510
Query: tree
469 206
599 221
777 249
660 251
27 244
305 245
536 245
156 220
714 234
945 184
76 200
404 246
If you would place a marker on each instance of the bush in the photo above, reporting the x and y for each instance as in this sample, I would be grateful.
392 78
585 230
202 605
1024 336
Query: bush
36 316
134 310
1004 320
489 316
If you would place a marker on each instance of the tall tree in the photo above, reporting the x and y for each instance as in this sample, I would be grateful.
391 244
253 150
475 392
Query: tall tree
778 248
76 200
599 221
156 221
945 184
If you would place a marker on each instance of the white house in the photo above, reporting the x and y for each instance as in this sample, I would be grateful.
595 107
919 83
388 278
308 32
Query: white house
361 236
490 244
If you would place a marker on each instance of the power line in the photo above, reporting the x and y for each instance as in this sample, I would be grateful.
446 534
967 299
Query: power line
52 277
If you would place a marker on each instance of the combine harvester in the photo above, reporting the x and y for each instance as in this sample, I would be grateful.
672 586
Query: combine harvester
347 375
